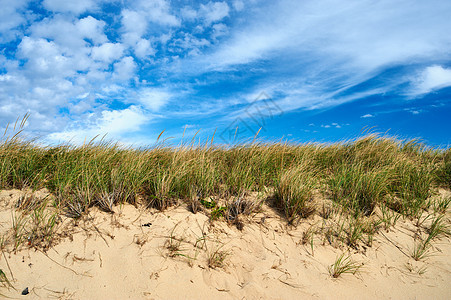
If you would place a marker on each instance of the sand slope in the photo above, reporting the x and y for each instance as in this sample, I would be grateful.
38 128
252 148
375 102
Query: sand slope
113 256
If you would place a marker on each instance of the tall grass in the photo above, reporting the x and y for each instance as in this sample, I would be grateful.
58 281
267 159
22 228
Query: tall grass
358 175
295 190
357 189
411 184
443 172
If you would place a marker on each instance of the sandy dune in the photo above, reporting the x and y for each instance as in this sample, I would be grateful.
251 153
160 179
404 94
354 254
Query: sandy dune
144 254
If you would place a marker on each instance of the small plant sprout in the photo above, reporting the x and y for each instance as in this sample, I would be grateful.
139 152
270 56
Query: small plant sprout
173 244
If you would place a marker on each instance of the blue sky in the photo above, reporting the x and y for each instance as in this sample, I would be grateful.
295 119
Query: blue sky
299 70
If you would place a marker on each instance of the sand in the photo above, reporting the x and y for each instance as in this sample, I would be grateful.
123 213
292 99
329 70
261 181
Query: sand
139 253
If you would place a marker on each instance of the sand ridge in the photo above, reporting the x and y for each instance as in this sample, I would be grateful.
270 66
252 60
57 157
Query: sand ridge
138 253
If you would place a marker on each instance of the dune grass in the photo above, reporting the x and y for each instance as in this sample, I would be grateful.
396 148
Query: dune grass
358 175
374 171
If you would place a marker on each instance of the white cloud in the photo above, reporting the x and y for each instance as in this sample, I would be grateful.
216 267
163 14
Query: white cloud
108 52
188 13
165 37
431 78
83 96
135 21
336 125
62 59
219 30
367 116
11 17
41 97
414 111
134 24
124 69
44 58
120 121
5 77
294 95
158 11
92 29
144 49
75 7
238 5
244 48
70 34
113 123
214 11
210 13
154 98
137 18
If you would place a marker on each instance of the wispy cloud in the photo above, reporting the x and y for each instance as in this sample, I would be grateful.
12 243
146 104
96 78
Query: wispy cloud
153 98
333 48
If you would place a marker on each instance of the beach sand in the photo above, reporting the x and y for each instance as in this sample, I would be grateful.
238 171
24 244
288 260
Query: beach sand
139 253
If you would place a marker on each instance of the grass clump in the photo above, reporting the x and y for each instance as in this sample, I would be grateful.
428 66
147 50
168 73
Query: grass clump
411 184
358 189
441 204
343 264
388 217
439 227
216 257
36 228
294 192
174 244
443 171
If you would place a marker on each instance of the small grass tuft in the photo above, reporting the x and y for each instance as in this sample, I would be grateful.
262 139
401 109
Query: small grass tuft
441 204
173 244
216 258
438 228
421 249
342 265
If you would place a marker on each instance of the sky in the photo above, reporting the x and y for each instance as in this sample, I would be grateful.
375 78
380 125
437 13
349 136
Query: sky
296 70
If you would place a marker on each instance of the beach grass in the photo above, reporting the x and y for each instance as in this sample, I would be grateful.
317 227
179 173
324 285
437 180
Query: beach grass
397 176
